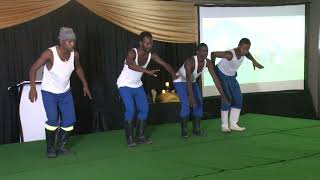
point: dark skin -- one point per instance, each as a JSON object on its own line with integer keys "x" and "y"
{"x": 144, "y": 49}
{"x": 189, "y": 65}
{"x": 64, "y": 51}
{"x": 241, "y": 50}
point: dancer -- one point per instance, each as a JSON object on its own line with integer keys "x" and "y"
{"x": 131, "y": 88}
{"x": 189, "y": 92}
{"x": 59, "y": 62}
{"x": 227, "y": 72}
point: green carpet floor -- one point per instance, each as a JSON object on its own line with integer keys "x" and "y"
{"x": 272, "y": 148}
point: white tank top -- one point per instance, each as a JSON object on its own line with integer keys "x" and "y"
{"x": 230, "y": 68}
{"x": 129, "y": 77}
{"x": 182, "y": 71}
{"x": 57, "y": 79}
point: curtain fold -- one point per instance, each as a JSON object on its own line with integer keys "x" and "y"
{"x": 168, "y": 21}
{"x": 13, "y": 12}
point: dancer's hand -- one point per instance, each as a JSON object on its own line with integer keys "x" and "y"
{"x": 256, "y": 65}
{"x": 192, "y": 101}
{"x": 86, "y": 92}
{"x": 33, "y": 95}
{"x": 153, "y": 72}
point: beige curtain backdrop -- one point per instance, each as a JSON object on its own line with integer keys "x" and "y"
{"x": 168, "y": 21}
{"x": 13, "y": 12}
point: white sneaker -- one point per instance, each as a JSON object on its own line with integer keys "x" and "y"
{"x": 235, "y": 127}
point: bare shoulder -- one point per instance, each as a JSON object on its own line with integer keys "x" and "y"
{"x": 47, "y": 55}
{"x": 191, "y": 60}
{"x": 131, "y": 56}
{"x": 189, "y": 63}
{"x": 48, "y": 52}
{"x": 132, "y": 53}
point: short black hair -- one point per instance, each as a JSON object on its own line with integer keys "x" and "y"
{"x": 144, "y": 34}
{"x": 201, "y": 45}
{"x": 244, "y": 41}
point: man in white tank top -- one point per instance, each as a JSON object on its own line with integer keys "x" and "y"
{"x": 131, "y": 89}
{"x": 189, "y": 92}
{"x": 226, "y": 71}
{"x": 59, "y": 62}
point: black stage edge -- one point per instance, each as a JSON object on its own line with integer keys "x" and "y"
{"x": 295, "y": 103}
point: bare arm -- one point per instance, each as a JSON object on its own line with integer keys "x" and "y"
{"x": 216, "y": 80}
{"x": 213, "y": 59}
{"x": 188, "y": 67}
{"x": 249, "y": 56}
{"x": 79, "y": 70}
{"x": 133, "y": 66}
{"x": 45, "y": 58}
{"x": 158, "y": 60}
{"x": 42, "y": 60}
{"x": 221, "y": 54}
{"x": 80, "y": 74}
{"x": 254, "y": 62}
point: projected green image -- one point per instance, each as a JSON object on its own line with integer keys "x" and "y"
{"x": 277, "y": 43}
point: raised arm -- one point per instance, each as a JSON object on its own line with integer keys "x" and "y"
{"x": 167, "y": 66}
{"x": 221, "y": 54}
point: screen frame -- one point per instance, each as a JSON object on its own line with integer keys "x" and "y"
{"x": 271, "y": 4}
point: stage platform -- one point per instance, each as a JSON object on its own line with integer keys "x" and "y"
{"x": 271, "y": 148}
